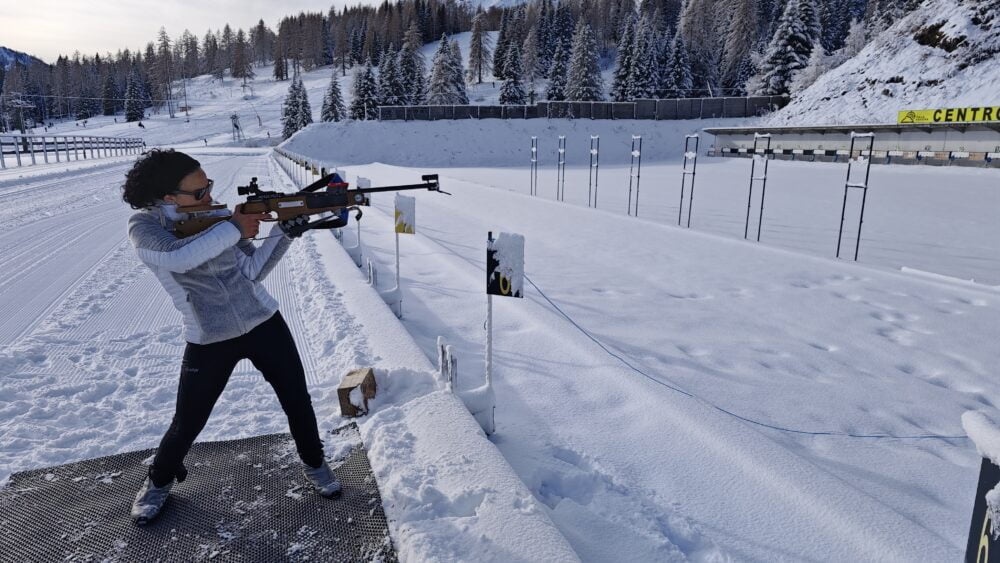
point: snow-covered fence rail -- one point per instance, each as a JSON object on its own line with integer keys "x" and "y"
{"x": 302, "y": 169}
{"x": 674, "y": 108}
{"x": 27, "y": 150}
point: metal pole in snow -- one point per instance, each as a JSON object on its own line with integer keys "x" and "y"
{"x": 489, "y": 327}
{"x": 399, "y": 291}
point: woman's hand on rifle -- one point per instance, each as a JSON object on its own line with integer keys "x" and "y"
{"x": 249, "y": 223}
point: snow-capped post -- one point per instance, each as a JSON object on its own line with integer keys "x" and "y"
{"x": 447, "y": 365}
{"x": 406, "y": 223}
{"x": 505, "y": 277}
{"x": 533, "y": 190}
{"x": 753, "y": 178}
{"x": 689, "y": 156}
{"x": 984, "y": 531}
{"x": 634, "y": 171}
{"x": 864, "y": 158}
{"x": 595, "y": 163}
{"x": 561, "y": 169}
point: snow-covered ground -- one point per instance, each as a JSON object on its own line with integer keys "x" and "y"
{"x": 662, "y": 393}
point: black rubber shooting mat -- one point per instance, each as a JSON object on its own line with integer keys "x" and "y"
{"x": 243, "y": 500}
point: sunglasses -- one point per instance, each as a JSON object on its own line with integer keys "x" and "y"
{"x": 199, "y": 193}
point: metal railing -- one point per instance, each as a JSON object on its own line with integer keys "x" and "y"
{"x": 27, "y": 150}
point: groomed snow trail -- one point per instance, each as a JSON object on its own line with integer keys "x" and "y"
{"x": 90, "y": 345}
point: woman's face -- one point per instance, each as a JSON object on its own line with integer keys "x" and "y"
{"x": 193, "y": 182}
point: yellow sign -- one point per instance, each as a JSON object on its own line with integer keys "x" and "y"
{"x": 950, "y": 115}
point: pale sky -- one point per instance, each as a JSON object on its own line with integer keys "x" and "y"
{"x": 49, "y": 28}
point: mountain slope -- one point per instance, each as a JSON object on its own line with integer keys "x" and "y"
{"x": 9, "y": 56}
{"x": 941, "y": 55}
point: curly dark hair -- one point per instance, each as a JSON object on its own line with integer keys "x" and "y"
{"x": 156, "y": 174}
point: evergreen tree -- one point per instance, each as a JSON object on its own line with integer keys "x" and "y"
{"x": 333, "y": 102}
{"x": 645, "y": 75}
{"x": 280, "y": 65}
{"x": 458, "y": 75}
{"x": 133, "y": 98}
{"x": 305, "y": 110}
{"x": 441, "y": 87}
{"x": 512, "y": 91}
{"x": 836, "y": 21}
{"x": 704, "y": 45}
{"x": 557, "y": 74}
{"x": 583, "y": 81}
{"x": 529, "y": 54}
{"x": 479, "y": 48}
{"x": 290, "y": 110}
{"x": 741, "y": 38}
{"x": 110, "y": 94}
{"x": 242, "y": 58}
{"x": 364, "y": 103}
{"x": 788, "y": 51}
{"x": 388, "y": 81}
{"x": 623, "y": 64}
{"x": 675, "y": 80}
{"x": 503, "y": 44}
{"x": 410, "y": 66}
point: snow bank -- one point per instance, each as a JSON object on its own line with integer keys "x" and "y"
{"x": 984, "y": 431}
{"x": 451, "y": 495}
{"x": 492, "y": 142}
{"x": 872, "y": 87}
{"x": 448, "y": 493}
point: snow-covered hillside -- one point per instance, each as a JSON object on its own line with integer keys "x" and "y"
{"x": 9, "y": 56}
{"x": 942, "y": 55}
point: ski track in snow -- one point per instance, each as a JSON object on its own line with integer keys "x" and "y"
{"x": 96, "y": 337}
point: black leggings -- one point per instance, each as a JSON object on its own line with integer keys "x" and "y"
{"x": 204, "y": 373}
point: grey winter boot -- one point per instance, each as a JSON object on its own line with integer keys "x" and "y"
{"x": 149, "y": 501}
{"x": 322, "y": 479}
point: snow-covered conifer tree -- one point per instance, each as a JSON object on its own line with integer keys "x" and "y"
{"x": 788, "y": 51}
{"x": 109, "y": 94}
{"x": 458, "y": 75}
{"x": 741, "y": 38}
{"x": 388, "y": 80}
{"x": 364, "y": 104}
{"x": 558, "y": 73}
{"x": 704, "y": 45}
{"x": 503, "y": 44}
{"x": 333, "y": 102}
{"x": 675, "y": 80}
{"x": 305, "y": 110}
{"x": 645, "y": 76}
{"x": 290, "y": 110}
{"x": 441, "y": 87}
{"x": 410, "y": 66}
{"x": 623, "y": 63}
{"x": 512, "y": 91}
{"x": 583, "y": 80}
{"x": 133, "y": 98}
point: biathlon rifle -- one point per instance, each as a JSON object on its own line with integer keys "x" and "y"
{"x": 293, "y": 209}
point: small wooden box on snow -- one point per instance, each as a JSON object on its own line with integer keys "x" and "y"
{"x": 362, "y": 379}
